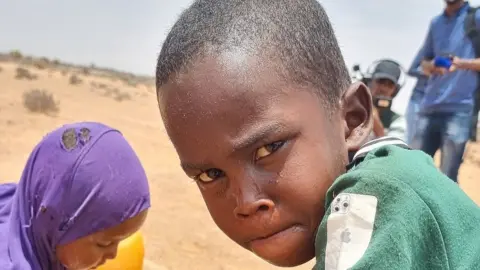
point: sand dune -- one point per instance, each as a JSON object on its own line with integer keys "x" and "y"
{"x": 179, "y": 231}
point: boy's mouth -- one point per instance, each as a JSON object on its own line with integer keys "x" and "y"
{"x": 274, "y": 240}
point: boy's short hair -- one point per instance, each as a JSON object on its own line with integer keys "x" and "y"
{"x": 295, "y": 35}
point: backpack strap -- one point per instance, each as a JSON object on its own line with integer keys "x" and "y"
{"x": 471, "y": 31}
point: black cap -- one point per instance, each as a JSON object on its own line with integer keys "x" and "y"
{"x": 387, "y": 70}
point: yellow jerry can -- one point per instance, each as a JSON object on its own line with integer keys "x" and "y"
{"x": 129, "y": 256}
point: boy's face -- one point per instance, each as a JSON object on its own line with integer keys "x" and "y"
{"x": 263, "y": 152}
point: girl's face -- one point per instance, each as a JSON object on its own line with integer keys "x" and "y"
{"x": 93, "y": 250}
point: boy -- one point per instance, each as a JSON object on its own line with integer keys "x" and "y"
{"x": 257, "y": 101}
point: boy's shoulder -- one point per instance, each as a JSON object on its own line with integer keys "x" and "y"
{"x": 394, "y": 209}
{"x": 389, "y": 163}
{"x": 393, "y": 158}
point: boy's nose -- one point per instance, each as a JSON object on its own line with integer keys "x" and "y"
{"x": 249, "y": 189}
{"x": 248, "y": 208}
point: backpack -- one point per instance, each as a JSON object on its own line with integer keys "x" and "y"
{"x": 473, "y": 34}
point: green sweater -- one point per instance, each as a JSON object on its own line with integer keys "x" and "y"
{"x": 394, "y": 209}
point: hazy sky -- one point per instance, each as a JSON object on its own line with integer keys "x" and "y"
{"x": 127, "y": 35}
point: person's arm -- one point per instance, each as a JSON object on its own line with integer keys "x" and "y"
{"x": 428, "y": 53}
{"x": 469, "y": 64}
{"x": 415, "y": 69}
{"x": 427, "y": 64}
{"x": 379, "y": 223}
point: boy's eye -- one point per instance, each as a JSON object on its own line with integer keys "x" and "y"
{"x": 268, "y": 149}
{"x": 210, "y": 175}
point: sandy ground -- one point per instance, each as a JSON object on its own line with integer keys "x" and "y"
{"x": 179, "y": 231}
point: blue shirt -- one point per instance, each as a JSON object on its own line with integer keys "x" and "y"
{"x": 452, "y": 92}
{"x": 415, "y": 70}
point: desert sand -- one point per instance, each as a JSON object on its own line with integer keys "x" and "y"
{"x": 179, "y": 231}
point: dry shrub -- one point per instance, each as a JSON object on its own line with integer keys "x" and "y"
{"x": 132, "y": 83}
{"x": 75, "y": 80}
{"x": 108, "y": 92}
{"x": 85, "y": 71}
{"x": 121, "y": 96}
{"x": 27, "y": 60}
{"x": 16, "y": 54}
{"x": 41, "y": 63}
{"x": 117, "y": 94}
{"x": 23, "y": 73}
{"x": 4, "y": 57}
{"x": 100, "y": 86}
{"x": 40, "y": 101}
{"x": 128, "y": 79}
{"x": 1, "y": 69}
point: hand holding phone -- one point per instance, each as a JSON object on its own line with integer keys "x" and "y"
{"x": 443, "y": 61}
{"x": 444, "y": 64}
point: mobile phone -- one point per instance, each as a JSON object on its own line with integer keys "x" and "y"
{"x": 443, "y": 61}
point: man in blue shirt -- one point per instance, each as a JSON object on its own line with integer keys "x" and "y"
{"x": 416, "y": 98}
{"x": 446, "y": 110}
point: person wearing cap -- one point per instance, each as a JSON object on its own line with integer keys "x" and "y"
{"x": 384, "y": 87}
{"x": 446, "y": 111}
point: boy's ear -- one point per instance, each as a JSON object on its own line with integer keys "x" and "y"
{"x": 356, "y": 105}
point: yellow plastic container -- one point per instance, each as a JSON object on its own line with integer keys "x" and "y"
{"x": 130, "y": 255}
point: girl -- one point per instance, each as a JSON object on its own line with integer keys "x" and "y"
{"x": 82, "y": 191}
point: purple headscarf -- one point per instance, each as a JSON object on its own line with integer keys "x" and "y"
{"x": 80, "y": 179}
